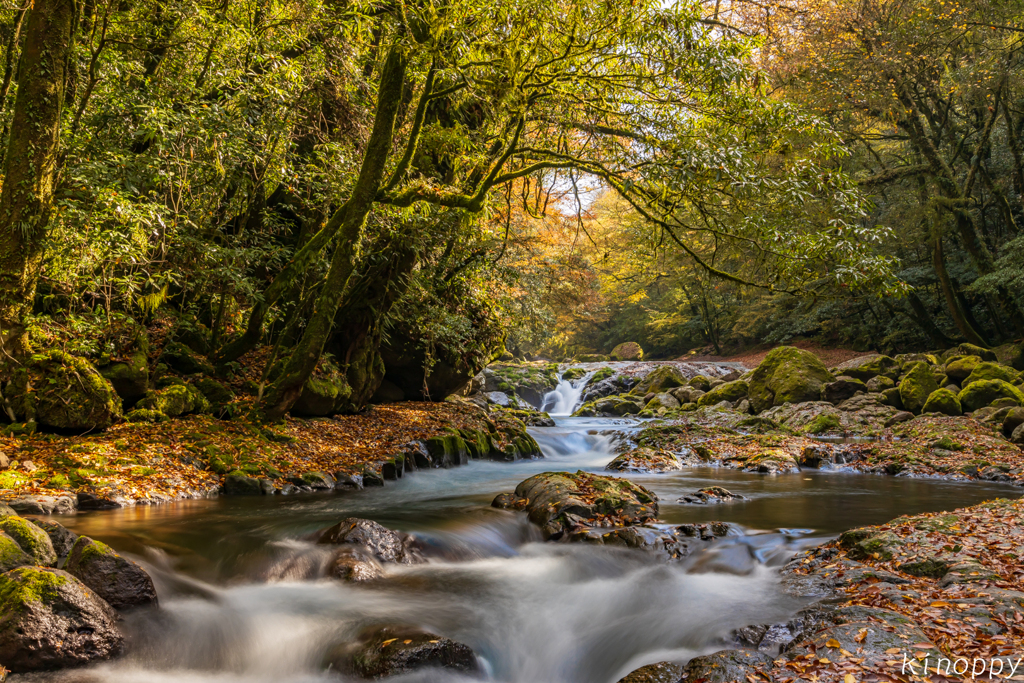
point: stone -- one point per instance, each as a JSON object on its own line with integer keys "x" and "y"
{"x": 660, "y": 379}
{"x": 123, "y": 583}
{"x": 130, "y": 378}
{"x": 891, "y": 397}
{"x": 174, "y": 400}
{"x": 354, "y": 564}
{"x": 662, "y": 400}
{"x": 725, "y": 666}
{"x": 916, "y": 386}
{"x": 390, "y": 651}
{"x": 63, "y": 392}
{"x": 843, "y": 388}
{"x": 710, "y": 495}
{"x": 879, "y": 384}
{"x": 867, "y": 542}
{"x": 627, "y": 351}
{"x": 320, "y": 396}
{"x": 984, "y": 371}
{"x": 867, "y": 367}
{"x": 771, "y": 461}
{"x": 33, "y": 540}
{"x": 645, "y": 460}
{"x": 787, "y": 375}
{"x": 662, "y": 672}
{"x": 50, "y": 620}
{"x": 983, "y": 393}
{"x": 561, "y": 501}
{"x": 974, "y": 350}
{"x": 727, "y": 391}
{"x": 216, "y": 394}
{"x": 1017, "y": 436}
{"x": 381, "y": 543}
{"x": 942, "y": 401}
{"x": 181, "y": 358}
{"x": 62, "y": 538}
{"x": 1014, "y": 418}
{"x": 44, "y": 505}
{"x": 498, "y": 398}
{"x": 238, "y": 483}
{"x": 959, "y": 368}
{"x": 11, "y": 554}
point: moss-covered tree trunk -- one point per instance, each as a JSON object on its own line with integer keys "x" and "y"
{"x": 352, "y": 219}
{"x": 31, "y": 165}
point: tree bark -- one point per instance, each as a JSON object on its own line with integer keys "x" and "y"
{"x": 351, "y": 219}
{"x": 31, "y": 165}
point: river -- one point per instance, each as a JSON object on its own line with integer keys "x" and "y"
{"x": 240, "y": 601}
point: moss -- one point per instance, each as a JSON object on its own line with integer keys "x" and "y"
{"x": 9, "y": 479}
{"x": 872, "y": 366}
{"x": 984, "y": 392}
{"x": 916, "y": 386}
{"x": 573, "y": 374}
{"x": 89, "y": 550}
{"x": 62, "y": 391}
{"x": 825, "y": 422}
{"x": 11, "y": 554}
{"x": 31, "y": 538}
{"x": 983, "y": 371}
{"x": 145, "y": 415}
{"x": 659, "y": 380}
{"x": 974, "y": 350}
{"x": 730, "y": 391}
{"x": 25, "y": 585}
{"x": 959, "y": 368}
{"x": 602, "y": 374}
{"x": 787, "y": 375}
{"x": 627, "y": 351}
{"x": 175, "y": 400}
{"x": 942, "y": 401}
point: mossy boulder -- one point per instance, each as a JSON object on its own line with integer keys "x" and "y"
{"x": 572, "y": 374}
{"x": 238, "y": 483}
{"x": 118, "y": 580}
{"x": 879, "y": 384}
{"x": 65, "y": 392}
{"x": 842, "y": 388}
{"x": 175, "y": 400}
{"x": 942, "y": 401}
{"x": 974, "y": 350}
{"x": 787, "y": 375}
{"x": 181, "y": 358}
{"x": 891, "y": 397}
{"x": 730, "y": 391}
{"x": 145, "y": 415}
{"x": 447, "y": 451}
{"x": 627, "y": 351}
{"x": 601, "y": 374}
{"x": 984, "y": 392}
{"x": 11, "y": 554}
{"x": 216, "y": 393}
{"x": 867, "y": 542}
{"x": 645, "y": 460}
{"x": 985, "y": 370}
{"x": 700, "y": 382}
{"x": 320, "y": 396}
{"x": 866, "y": 367}
{"x": 959, "y": 368}
{"x": 130, "y": 378}
{"x": 62, "y": 538}
{"x": 916, "y": 386}
{"x": 662, "y": 401}
{"x": 33, "y": 540}
{"x": 659, "y": 380}
{"x": 51, "y": 620}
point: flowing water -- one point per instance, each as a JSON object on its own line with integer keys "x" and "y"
{"x": 240, "y": 601}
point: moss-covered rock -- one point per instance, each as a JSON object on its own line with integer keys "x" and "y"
{"x": 627, "y": 351}
{"x": 61, "y": 391}
{"x": 11, "y": 554}
{"x": 891, "y": 397}
{"x": 62, "y": 538}
{"x": 145, "y": 415}
{"x": 700, "y": 382}
{"x": 181, "y": 358}
{"x": 572, "y": 374}
{"x": 601, "y": 374}
{"x": 661, "y": 402}
{"x": 645, "y": 460}
{"x": 118, "y": 580}
{"x": 320, "y": 396}
{"x": 942, "y": 401}
{"x": 841, "y": 389}
{"x": 985, "y": 370}
{"x": 916, "y": 386}
{"x": 974, "y": 350}
{"x": 175, "y": 400}
{"x": 866, "y": 367}
{"x": 730, "y": 391}
{"x": 984, "y": 392}
{"x": 449, "y": 451}
{"x": 31, "y": 538}
{"x": 238, "y": 483}
{"x": 879, "y": 384}
{"x": 50, "y": 620}
{"x": 660, "y": 379}
{"x": 959, "y": 368}
{"x": 787, "y": 375}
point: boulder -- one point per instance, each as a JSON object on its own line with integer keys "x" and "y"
{"x": 354, "y": 564}
{"x": 61, "y": 391}
{"x": 1014, "y": 418}
{"x": 239, "y": 483}
{"x": 216, "y": 394}
{"x": 879, "y": 384}
{"x": 843, "y": 388}
{"x": 11, "y": 554}
{"x": 130, "y": 378}
{"x": 645, "y": 460}
{"x": 44, "y": 505}
{"x": 942, "y": 401}
{"x": 710, "y": 495}
{"x": 120, "y": 581}
{"x": 33, "y": 540}
{"x": 175, "y": 400}
{"x": 787, "y": 375}
{"x": 728, "y": 391}
{"x": 558, "y": 502}
{"x": 662, "y": 400}
{"x": 383, "y": 544}
{"x": 62, "y": 538}
{"x": 984, "y": 392}
{"x": 50, "y": 620}
{"x": 867, "y": 367}
{"x": 181, "y": 358}
{"x": 959, "y": 368}
{"x": 660, "y": 379}
{"x": 771, "y": 461}
{"x": 1017, "y": 435}
{"x": 662, "y": 672}
{"x": 701, "y": 383}
{"x": 627, "y": 351}
{"x": 891, "y": 397}
{"x": 973, "y": 350}
{"x": 320, "y": 396}
{"x": 725, "y": 666}
{"x": 386, "y": 652}
{"x": 991, "y": 371}
{"x": 916, "y": 386}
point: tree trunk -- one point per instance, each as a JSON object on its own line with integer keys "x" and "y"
{"x": 352, "y": 217}
{"x": 32, "y": 156}
{"x": 962, "y": 324}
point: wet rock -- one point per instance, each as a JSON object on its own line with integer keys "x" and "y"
{"x": 385, "y": 545}
{"x": 787, "y": 375}
{"x": 50, "y": 620}
{"x": 771, "y": 461}
{"x": 240, "y": 484}
{"x": 710, "y": 495}
{"x": 868, "y": 542}
{"x": 662, "y": 672}
{"x": 509, "y": 501}
{"x": 31, "y": 539}
{"x": 645, "y": 460}
{"x": 11, "y": 554}
{"x": 95, "y": 501}
{"x": 499, "y": 398}
{"x": 870, "y": 366}
{"x": 61, "y": 537}
{"x": 725, "y": 666}
{"x": 727, "y": 391}
{"x": 706, "y": 531}
{"x": 120, "y": 581}
{"x": 843, "y": 388}
{"x": 561, "y": 501}
{"x": 354, "y": 564}
{"x": 393, "y": 651}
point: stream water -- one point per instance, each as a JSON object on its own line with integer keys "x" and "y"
{"x": 240, "y": 601}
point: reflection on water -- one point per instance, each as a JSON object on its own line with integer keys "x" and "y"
{"x": 240, "y": 601}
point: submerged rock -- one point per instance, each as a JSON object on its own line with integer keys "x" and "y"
{"x": 390, "y": 651}
{"x": 645, "y": 460}
{"x": 558, "y": 502}
{"x": 50, "y": 620}
{"x": 710, "y": 495}
{"x": 379, "y": 542}
{"x": 118, "y": 580}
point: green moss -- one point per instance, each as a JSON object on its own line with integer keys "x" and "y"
{"x": 787, "y": 375}
{"x": 730, "y": 391}
{"x": 11, "y": 554}
{"x": 942, "y": 401}
{"x": 659, "y": 380}
{"x": 602, "y": 374}
{"x": 989, "y": 371}
{"x": 982, "y": 393}
{"x": 916, "y": 386}
{"x": 573, "y": 374}
{"x": 25, "y": 585}
{"x": 67, "y": 392}
{"x": 145, "y": 415}
{"x": 947, "y": 443}
{"x": 89, "y": 550}
{"x": 826, "y": 422}
{"x": 627, "y": 351}
{"x": 9, "y": 479}
{"x": 175, "y": 400}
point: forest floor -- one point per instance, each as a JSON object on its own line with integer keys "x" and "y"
{"x": 180, "y": 458}
{"x": 753, "y": 357}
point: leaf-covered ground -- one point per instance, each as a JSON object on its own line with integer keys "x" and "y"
{"x": 186, "y": 457}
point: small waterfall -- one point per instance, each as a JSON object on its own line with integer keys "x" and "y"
{"x": 566, "y": 396}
